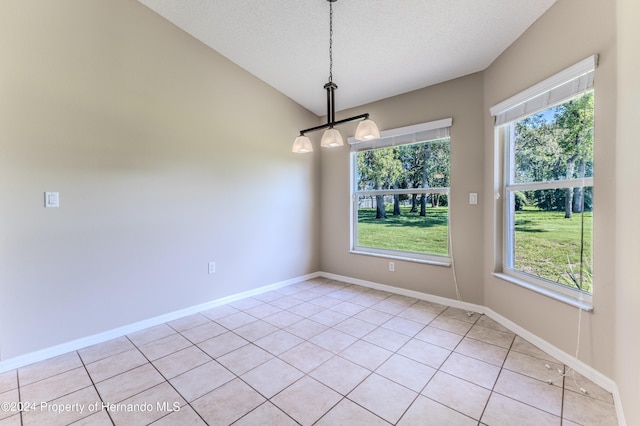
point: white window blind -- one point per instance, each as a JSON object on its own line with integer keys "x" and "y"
{"x": 552, "y": 91}
{"x": 424, "y": 132}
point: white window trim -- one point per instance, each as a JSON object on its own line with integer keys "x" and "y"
{"x": 428, "y": 131}
{"x": 559, "y": 88}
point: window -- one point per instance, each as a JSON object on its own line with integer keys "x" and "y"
{"x": 400, "y": 193}
{"x": 546, "y": 138}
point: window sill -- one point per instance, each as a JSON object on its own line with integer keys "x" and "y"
{"x": 585, "y": 306}
{"x": 445, "y": 262}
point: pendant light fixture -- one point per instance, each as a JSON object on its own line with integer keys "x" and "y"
{"x": 332, "y": 138}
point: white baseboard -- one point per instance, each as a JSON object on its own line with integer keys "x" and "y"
{"x": 74, "y": 345}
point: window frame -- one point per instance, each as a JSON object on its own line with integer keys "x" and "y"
{"x": 570, "y": 83}
{"x": 435, "y": 130}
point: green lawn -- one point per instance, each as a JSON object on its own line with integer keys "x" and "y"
{"x": 407, "y": 232}
{"x": 543, "y": 239}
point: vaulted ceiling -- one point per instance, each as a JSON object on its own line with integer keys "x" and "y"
{"x": 380, "y": 48}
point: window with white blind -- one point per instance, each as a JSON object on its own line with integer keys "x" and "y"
{"x": 545, "y": 138}
{"x": 400, "y": 193}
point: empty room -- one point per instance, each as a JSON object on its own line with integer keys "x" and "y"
{"x": 323, "y": 212}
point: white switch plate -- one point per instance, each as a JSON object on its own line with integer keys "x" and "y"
{"x": 51, "y": 199}
{"x": 212, "y": 267}
{"x": 473, "y": 198}
{"x": 392, "y": 267}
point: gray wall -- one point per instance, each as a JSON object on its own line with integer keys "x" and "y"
{"x": 166, "y": 156}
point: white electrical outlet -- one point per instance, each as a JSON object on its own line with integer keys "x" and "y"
{"x": 212, "y": 267}
{"x": 473, "y": 198}
{"x": 392, "y": 267}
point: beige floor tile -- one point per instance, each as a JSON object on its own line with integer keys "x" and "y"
{"x": 306, "y": 400}
{"x": 247, "y": 303}
{"x": 483, "y": 351}
{"x": 12, "y": 397}
{"x": 106, "y": 349}
{"x": 116, "y": 364}
{"x": 325, "y": 301}
{"x": 147, "y": 406}
{"x": 180, "y": 362}
{"x": 185, "y": 416}
{"x": 305, "y": 295}
{"x": 373, "y": 316}
{"x": 399, "y": 299}
{"x": 148, "y": 335}
{"x": 269, "y": 296}
{"x": 348, "y": 413}
{"x": 306, "y": 356}
{"x": 438, "y": 337}
{"x": 244, "y": 359}
{"x": 574, "y": 381}
{"x": 328, "y": 317}
{"x": 222, "y": 344}
{"x": 263, "y": 310}
{"x": 306, "y": 329}
{"x": 201, "y": 380}
{"x": 306, "y": 310}
{"x": 587, "y": 411}
{"x": 534, "y": 367}
{"x": 227, "y": 403}
{"x": 56, "y": 386}
{"x": 236, "y": 320}
{"x": 272, "y": 377}
{"x": 418, "y": 314}
{"x": 383, "y": 397}
{"x": 203, "y": 332}
{"x": 8, "y": 380}
{"x": 100, "y": 418}
{"x": 461, "y": 314}
{"x": 278, "y": 342}
{"x": 366, "y": 354}
{"x": 457, "y": 394}
{"x": 407, "y": 372}
{"x": 471, "y": 370}
{"x": 366, "y": 300}
{"x": 451, "y": 325}
{"x": 403, "y": 326}
{"x": 347, "y": 308}
{"x": 127, "y": 384}
{"x": 436, "y": 308}
{"x": 355, "y": 327}
{"x": 255, "y": 330}
{"x": 282, "y": 319}
{"x": 50, "y": 367}
{"x": 523, "y": 346}
{"x": 425, "y": 411}
{"x": 387, "y": 339}
{"x": 387, "y": 306}
{"x": 530, "y": 391}
{"x": 64, "y": 410}
{"x": 340, "y": 374}
{"x": 219, "y": 312}
{"x": 333, "y": 340}
{"x": 485, "y": 321}
{"x": 503, "y": 411}
{"x": 266, "y": 414}
{"x": 342, "y": 294}
{"x": 11, "y": 421}
{"x": 286, "y": 302}
{"x": 165, "y": 346}
{"x": 190, "y": 321}
{"x": 426, "y": 353}
{"x": 489, "y": 335}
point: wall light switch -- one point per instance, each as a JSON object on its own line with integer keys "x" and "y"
{"x": 51, "y": 199}
{"x": 473, "y": 198}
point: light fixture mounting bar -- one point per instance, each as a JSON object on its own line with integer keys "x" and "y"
{"x": 335, "y": 123}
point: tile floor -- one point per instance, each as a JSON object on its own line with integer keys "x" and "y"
{"x": 319, "y": 352}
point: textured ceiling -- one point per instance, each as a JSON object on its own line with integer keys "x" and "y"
{"x": 380, "y": 48}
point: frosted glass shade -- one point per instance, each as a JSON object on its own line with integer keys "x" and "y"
{"x": 331, "y": 139}
{"x": 367, "y": 130}
{"x": 302, "y": 145}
